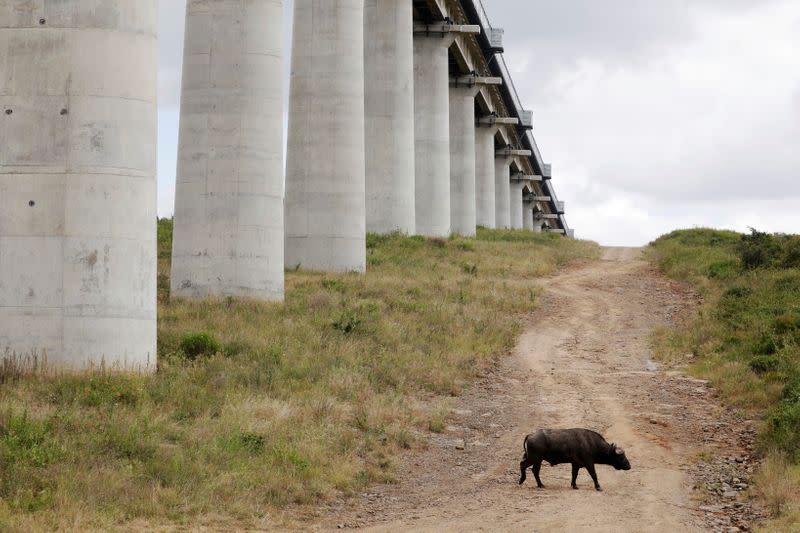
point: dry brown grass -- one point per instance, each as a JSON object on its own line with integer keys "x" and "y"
{"x": 301, "y": 401}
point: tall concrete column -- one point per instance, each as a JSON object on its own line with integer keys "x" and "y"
{"x": 527, "y": 216}
{"x": 77, "y": 182}
{"x": 389, "y": 107}
{"x": 515, "y": 210}
{"x": 538, "y": 224}
{"x": 325, "y": 168}
{"x": 502, "y": 192}
{"x": 228, "y": 236}
{"x": 485, "y": 176}
{"x": 462, "y": 161}
{"x": 432, "y": 134}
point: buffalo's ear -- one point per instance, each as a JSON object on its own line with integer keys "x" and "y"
{"x": 619, "y": 451}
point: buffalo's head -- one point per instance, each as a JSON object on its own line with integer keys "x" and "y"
{"x": 618, "y": 459}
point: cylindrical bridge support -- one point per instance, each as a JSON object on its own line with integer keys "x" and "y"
{"x": 527, "y": 216}
{"x": 389, "y": 106}
{"x": 502, "y": 192}
{"x": 432, "y": 134}
{"x": 325, "y": 169}
{"x": 515, "y": 205}
{"x": 228, "y": 235}
{"x": 485, "y": 170}
{"x": 78, "y": 126}
{"x": 462, "y": 161}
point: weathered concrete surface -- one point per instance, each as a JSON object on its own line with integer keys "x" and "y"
{"x": 325, "y": 170}
{"x": 228, "y": 237}
{"x": 432, "y": 134}
{"x": 502, "y": 192}
{"x": 485, "y": 176}
{"x": 77, "y": 182}
{"x": 515, "y": 204}
{"x": 389, "y": 107}
{"x": 527, "y": 216}
{"x": 463, "y": 219}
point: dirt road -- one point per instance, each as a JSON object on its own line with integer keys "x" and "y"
{"x": 583, "y": 361}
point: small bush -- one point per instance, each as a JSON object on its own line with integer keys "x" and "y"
{"x": 470, "y": 268}
{"x": 787, "y": 323}
{"x": 723, "y": 269}
{"x": 347, "y": 322}
{"x": 196, "y": 345}
{"x": 761, "y": 364}
{"x": 465, "y": 246}
{"x": 784, "y": 429}
{"x": 758, "y": 250}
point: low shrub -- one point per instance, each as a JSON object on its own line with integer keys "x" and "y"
{"x": 195, "y": 345}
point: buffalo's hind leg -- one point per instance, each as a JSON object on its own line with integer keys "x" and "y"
{"x": 537, "y": 467}
{"x": 523, "y": 465}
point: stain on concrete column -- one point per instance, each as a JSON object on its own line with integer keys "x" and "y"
{"x": 77, "y": 182}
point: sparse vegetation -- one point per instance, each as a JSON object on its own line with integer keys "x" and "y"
{"x": 746, "y": 335}
{"x": 256, "y": 406}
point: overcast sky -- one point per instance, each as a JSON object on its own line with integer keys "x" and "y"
{"x": 655, "y": 114}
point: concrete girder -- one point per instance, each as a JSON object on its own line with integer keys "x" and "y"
{"x": 389, "y": 109}
{"x": 228, "y": 235}
{"x": 542, "y": 198}
{"x": 521, "y": 176}
{"x": 326, "y": 164}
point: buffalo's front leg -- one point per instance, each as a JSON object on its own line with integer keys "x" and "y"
{"x": 590, "y": 468}
{"x": 537, "y": 466}
{"x": 575, "y": 470}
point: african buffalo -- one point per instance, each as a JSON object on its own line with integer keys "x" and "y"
{"x": 581, "y": 447}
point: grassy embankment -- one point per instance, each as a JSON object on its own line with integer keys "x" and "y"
{"x": 258, "y": 406}
{"x": 746, "y": 340}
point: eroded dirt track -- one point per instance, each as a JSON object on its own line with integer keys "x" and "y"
{"x": 583, "y": 361}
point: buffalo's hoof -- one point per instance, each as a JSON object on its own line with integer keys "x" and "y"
{"x": 575, "y": 487}
{"x": 539, "y": 486}
{"x": 521, "y": 481}
{"x": 599, "y": 489}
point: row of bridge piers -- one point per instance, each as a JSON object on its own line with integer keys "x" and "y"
{"x": 402, "y": 118}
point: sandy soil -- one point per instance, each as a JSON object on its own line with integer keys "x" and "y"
{"x": 583, "y": 361}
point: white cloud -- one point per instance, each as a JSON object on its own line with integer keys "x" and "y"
{"x": 651, "y": 128}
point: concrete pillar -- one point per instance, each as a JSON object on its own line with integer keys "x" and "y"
{"x": 325, "y": 168}
{"x": 515, "y": 210}
{"x": 462, "y": 161}
{"x": 538, "y": 224}
{"x": 432, "y": 134}
{"x": 77, "y": 182}
{"x": 527, "y": 216}
{"x": 485, "y": 176}
{"x": 389, "y": 108}
{"x": 502, "y": 192}
{"x": 228, "y": 238}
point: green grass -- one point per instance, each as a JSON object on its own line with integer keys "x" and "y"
{"x": 746, "y": 335}
{"x": 259, "y": 407}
